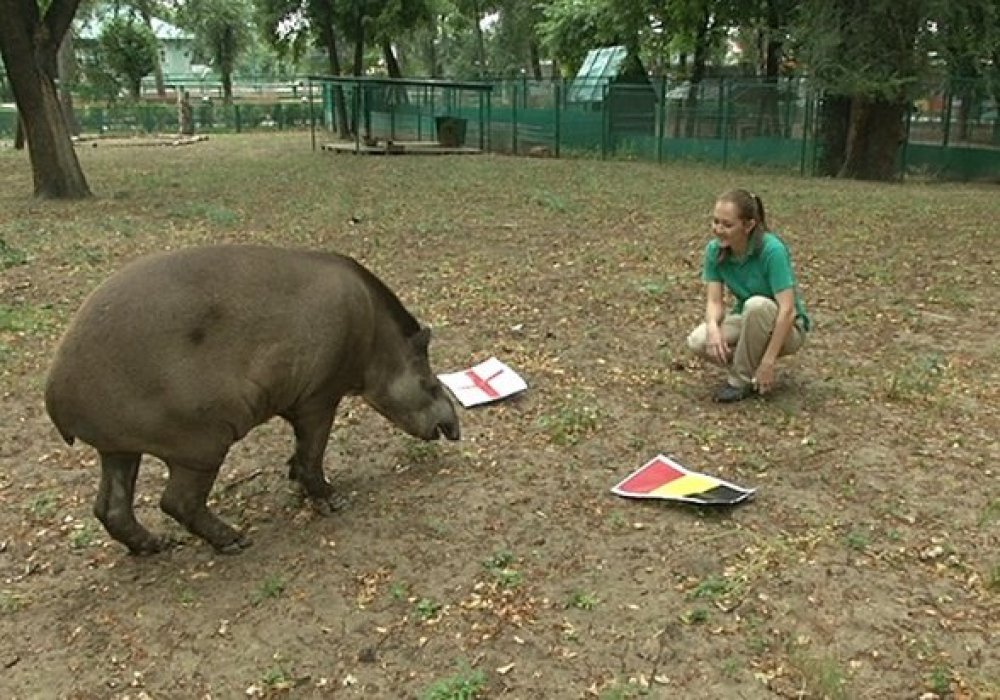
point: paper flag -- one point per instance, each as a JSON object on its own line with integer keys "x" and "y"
{"x": 663, "y": 478}
{"x": 488, "y": 381}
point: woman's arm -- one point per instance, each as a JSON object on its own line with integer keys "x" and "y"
{"x": 714, "y": 313}
{"x": 764, "y": 376}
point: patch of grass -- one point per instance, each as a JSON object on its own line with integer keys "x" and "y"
{"x": 465, "y": 684}
{"x": 421, "y": 452}
{"x": 993, "y": 578}
{"x": 43, "y": 506}
{"x": 695, "y": 616}
{"x": 23, "y": 318}
{"x": 278, "y": 677}
{"x": 399, "y": 590}
{"x": 83, "y": 536}
{"x": 714, "y": 588}
{"x": 991, "y": 514}
{"x": 10, "y": 602}
{"x": 582, "y": 600}
{"x": 499, "y": 565}
{"x": 86, "y": 254}
{"x": 618, "y": 520}
{"x": 858, "y": 540}
{"x": 732, "y": 667}
{"x": 622, "y": 691}
{"x": 427, "y": 608}
{"x": 271, "y": 587}
{"x": 213, "y": 213}
{"x": 186, "y": 596}
{"x": 940, "y": 680}
{"x": 657, "y": 288}
{"x": 570, "y": 423}
{"x": 10, "y": 256}
{"x": 548, "y": 200}
{"x": 919, "y": 378}
{"x": 822, "y": 677}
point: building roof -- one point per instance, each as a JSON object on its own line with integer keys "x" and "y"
{"x": 599, "y": 68}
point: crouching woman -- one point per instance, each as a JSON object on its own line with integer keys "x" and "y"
{"x": 768, "y": 319}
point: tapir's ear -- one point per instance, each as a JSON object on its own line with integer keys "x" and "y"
{"x": 421, "y": 340}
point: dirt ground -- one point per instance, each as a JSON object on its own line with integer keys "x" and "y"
{"x": 867, "y": 566}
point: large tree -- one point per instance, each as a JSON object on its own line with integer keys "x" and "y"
{"x": 29, "y": 45}
{"x": 864, "y": 55}
{"x": 222, "y": 31}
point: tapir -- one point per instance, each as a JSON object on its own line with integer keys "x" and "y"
{"x": 180, "y": 354}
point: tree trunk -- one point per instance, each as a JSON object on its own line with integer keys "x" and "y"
{"x": 480, "y": 39}
{"x": 876, "y": 132}
{"x": 833, "y": 119}
{"x": 66, "y": 60}
{"x": 534, "y": 57}
{"x": 397, "y": 93}
{"x": 769, "y": 108}
{"x": 161, "y": 88}
{"x": 339, "y": 103}
{"x": 28, "y": 45}
{"x": 697, "y": 73}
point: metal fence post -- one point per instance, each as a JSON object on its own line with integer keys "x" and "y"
{"x": 557, "y": 91}
{"x": 513, "y": 120}
{"x": 312, "y": 118}
{"x": 724, "y": 123}
{"x": 947, "y": 118}
{"x": 662, "y": 121}
{"x": 605, "y": 126}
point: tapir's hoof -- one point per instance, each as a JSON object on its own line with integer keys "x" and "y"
{"x": 236, "y": 546}
{"x": 154, "y": 544}
{"x": 328, "y": 505}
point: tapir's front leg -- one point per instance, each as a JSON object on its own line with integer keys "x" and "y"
{"x": 312, "y": 425}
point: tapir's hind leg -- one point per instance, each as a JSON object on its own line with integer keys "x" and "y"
{"x": 312, "y": 432}
{"x": 114, "y": 503}
{"x": 184, "y": 499}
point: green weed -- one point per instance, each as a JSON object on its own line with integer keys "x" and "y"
{"x": 83, "y": 536}
{"x": 398, "y": 590}
{"x": 821, "y": 676}
{"x": 10, "y": 256}
{"x": 919, "y": 378}
{"x": 714, "y": 588}
{"x": 427, "y": 608}
{"x": 570, "y": 423}
{"x": 271, "y": 587}
{"x": 43, "y": 506}
{"x": 991, "y": 514}
{"x": 695, "y": 616}
{"x": 466, "y": 684}
{"x": 582, "y": 601}
{"x": 22, "y": 318}
{"x": 940, "y": 680}
{"x": 499, "y": 565}
{"x": 10, "y": 602}
{"x": 858, "y": 540}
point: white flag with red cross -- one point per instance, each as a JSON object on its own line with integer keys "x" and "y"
{"x": 488, "y": 381}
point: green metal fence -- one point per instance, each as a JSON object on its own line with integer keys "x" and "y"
{"x": 953, "y": 132}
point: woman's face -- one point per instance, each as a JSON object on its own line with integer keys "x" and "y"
{"x": 729, "y": 228}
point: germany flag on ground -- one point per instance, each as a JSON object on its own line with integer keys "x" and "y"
{"x": 663, "y": 478}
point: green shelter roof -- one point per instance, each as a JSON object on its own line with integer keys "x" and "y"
{"x": 599, "y": 68}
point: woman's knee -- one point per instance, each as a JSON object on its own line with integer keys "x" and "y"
{"x": 759, "y": 305}
{"x": 697, "y": 340}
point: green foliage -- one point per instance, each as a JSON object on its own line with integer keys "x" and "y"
{"x": 582, "y": 600}
{"x": 499, "y": 565}
{"x": 10, "y": 256}
{"x": 466, "y": 684}
{"x": 570, "y": 423}
{"x": 222, "y": 32}
{"x": 271, "y": 587}
{"x": 427, "y": 608}
{"x": 128, "y": 51}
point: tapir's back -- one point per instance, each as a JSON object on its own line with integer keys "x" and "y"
{"x": 202, "y": 340}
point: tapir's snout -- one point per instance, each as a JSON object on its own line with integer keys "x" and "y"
{"x": 450, "y": 429}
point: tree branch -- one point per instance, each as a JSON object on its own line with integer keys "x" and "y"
{"x": 58, "y": 18}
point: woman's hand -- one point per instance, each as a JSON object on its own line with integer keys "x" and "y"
{"x": 764, "y": 377}
{"x": 717, "y": 348}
